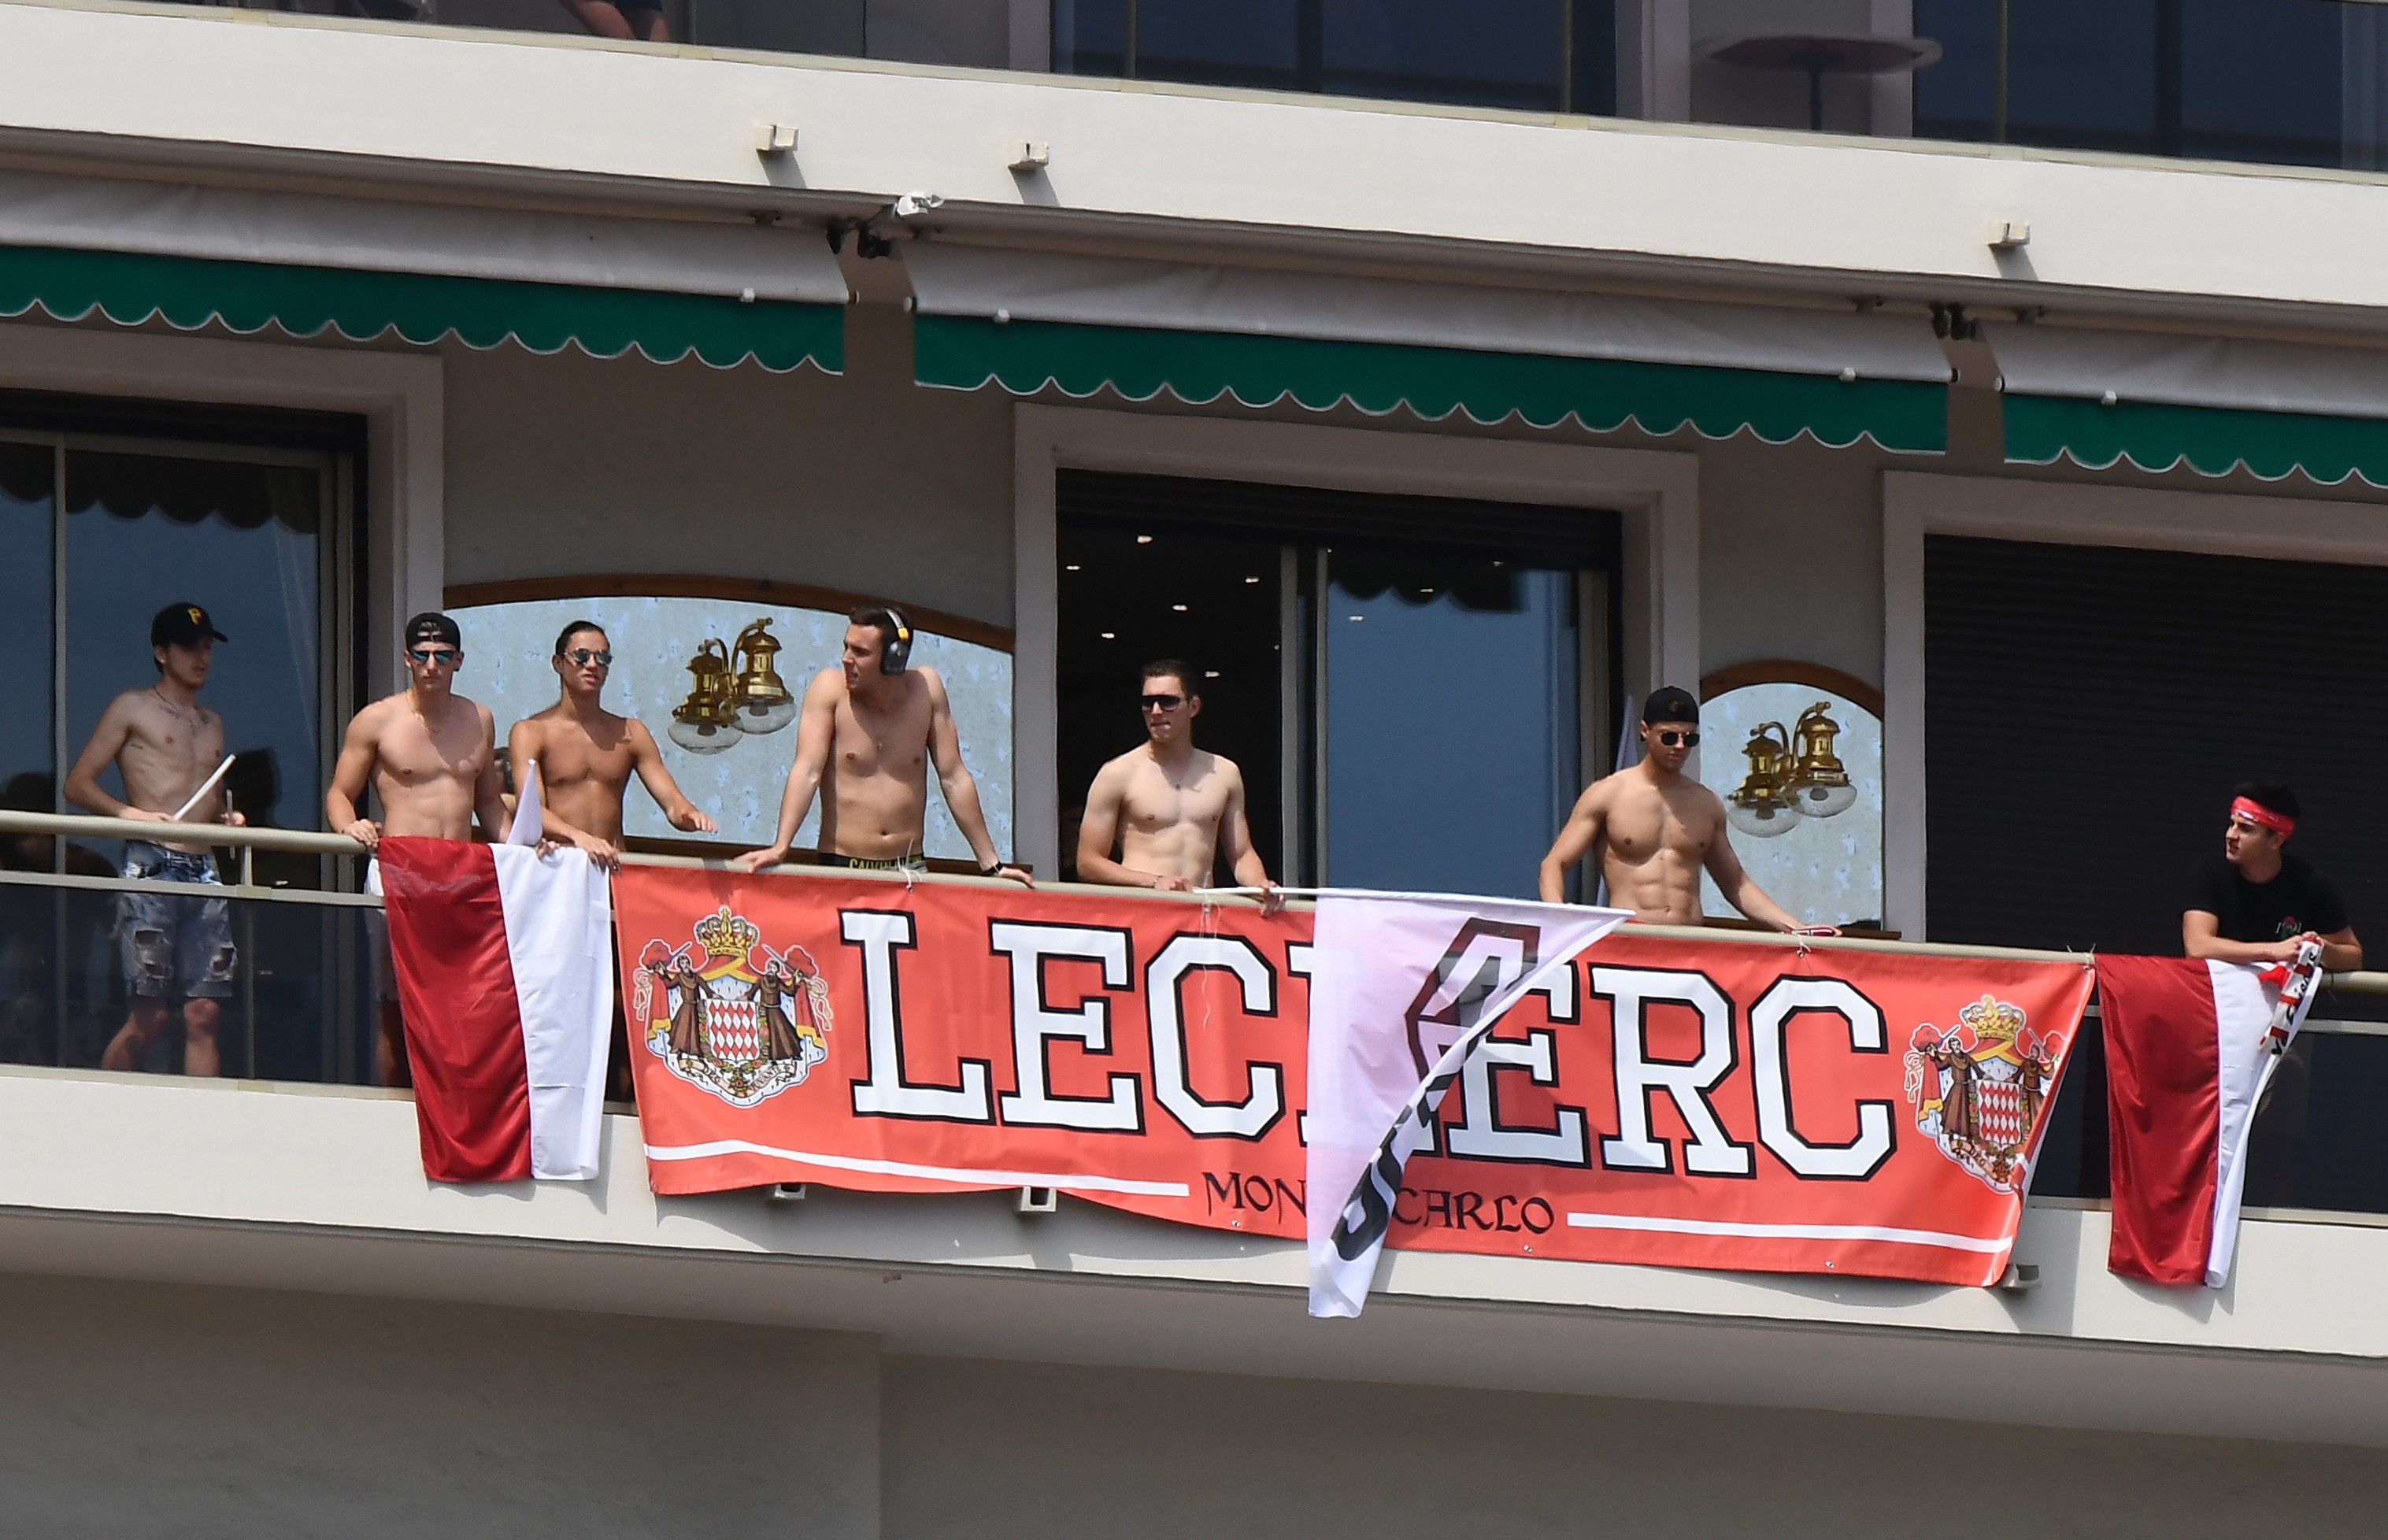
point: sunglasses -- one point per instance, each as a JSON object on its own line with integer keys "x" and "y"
{"x": 582, "y": 657}
{"x": 435, "y": 657}
{"x": 1680, "y": 740}
{"x": 1161, "y": 703}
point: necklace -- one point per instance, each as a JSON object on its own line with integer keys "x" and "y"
{"x": 194, "y": 723}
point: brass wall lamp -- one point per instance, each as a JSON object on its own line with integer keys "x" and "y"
{"x": 1792, "y": 774}
{"x": 706, "y": 721}
{"x": 731, "y": 696}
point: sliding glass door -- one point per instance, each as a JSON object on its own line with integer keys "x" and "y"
{"x": 1408, "y": 684}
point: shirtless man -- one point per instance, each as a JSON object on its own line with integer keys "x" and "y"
{"x": 165, "y": 745}
{"x": 431, "y": 755}
{"x": 1166, "y": 804}
{"x": 1657, "y": 828}
{"x": 586, "y": 755}
{"x": 870, "y": 731}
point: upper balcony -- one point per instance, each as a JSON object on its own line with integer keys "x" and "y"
{"x": 2282, "y": 82}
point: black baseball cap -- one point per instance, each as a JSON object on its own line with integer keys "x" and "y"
{"x": 1668, "y": 704}
{"x": 432, "y": 626}
{"x": 183, "y": 626}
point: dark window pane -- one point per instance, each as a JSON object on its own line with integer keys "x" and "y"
{"x": 143, "y": 531}
{"x": 1491, "y": 53}
{"x": 1090, "y": 37}
{"x": 1446, "y": 674}
{"x": 1252, "y": 43}
{"x": 2282, "y": 82}
{"x": 1526, "y": 55}
{"x": 1119, "y": 609}
{"x": 2081, "y": 77}
{"x": 28, "y": 779}
{"x": 2259, "y": 80}
{"x": 296, "y": 1007}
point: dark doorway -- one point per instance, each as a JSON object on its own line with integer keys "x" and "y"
{"x": 1408, "y": 684}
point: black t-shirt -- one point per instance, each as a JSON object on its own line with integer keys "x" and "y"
{"x": 2298, "y": 901}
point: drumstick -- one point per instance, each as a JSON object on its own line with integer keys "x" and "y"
{"x": 205, "y": 786}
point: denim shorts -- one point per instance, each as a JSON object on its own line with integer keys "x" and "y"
{"x": 171, "y": 945}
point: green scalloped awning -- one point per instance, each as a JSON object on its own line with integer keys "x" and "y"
{"x": 192, "y": 292}
{"x": 2212, "y": 441}
{"x": 1025, "y": 357}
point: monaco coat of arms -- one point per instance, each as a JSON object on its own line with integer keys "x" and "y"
{"x": 1978, "y": 1088}
{"x": 731, "y": 1015}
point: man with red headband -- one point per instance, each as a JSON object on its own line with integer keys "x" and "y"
{"x": 2258, "y": 901}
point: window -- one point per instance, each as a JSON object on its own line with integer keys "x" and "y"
{"x": 2279, "y": 82}
{"x": 1540, "y": 56}
{"x": 107, "y": 513}
{"x": 1412, "y": 687}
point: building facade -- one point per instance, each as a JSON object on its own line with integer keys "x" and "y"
{"x": 1436, "y": 381}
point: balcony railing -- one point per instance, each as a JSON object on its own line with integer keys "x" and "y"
{"x": 301, "y": 1002}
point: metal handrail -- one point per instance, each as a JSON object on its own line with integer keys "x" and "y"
{"x": 72, "y": 825}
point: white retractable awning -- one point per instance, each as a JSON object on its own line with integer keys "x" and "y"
{"x": 362, "y": 267}
{"x": 1028, "y": 320}
{"x": 2213, "y": 403}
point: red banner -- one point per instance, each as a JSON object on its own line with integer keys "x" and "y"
{"x": 1761, "y": 1108}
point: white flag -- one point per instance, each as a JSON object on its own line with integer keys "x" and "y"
{"x": 528, "y": 825}
{"x": 1403, "y": 986}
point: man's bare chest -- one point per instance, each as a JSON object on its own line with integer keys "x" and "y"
{"x": 1156, "y": 801}
{"x": 573, "y": 758}
{"x": 414, "y": 754}
{"x": 1651, "y": 828}
{"x": 894, "y": 743}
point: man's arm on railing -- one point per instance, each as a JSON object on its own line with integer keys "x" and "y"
{"x": 84, "y": 789}
{"x": 489, "y": 786}
{"x": 815, "y": 732}
{"x": 1741, "y": 890}
{"x": 1585, "y": 824}
{"x": 1098, "y": 833}
{"x": 358, "y": 752}
{"x": 2200, "y": 937}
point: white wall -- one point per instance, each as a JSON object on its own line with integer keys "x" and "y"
{"x": 568, "y": 465}
{"x": 130, "y": 1411}
{"x": 133, "y": 1410}
{"x": 1791, "y": 553}
{"x": 990, "y": 1449}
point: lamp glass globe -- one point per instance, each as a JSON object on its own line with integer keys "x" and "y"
{"x": 760, "y": 719}
{"x": 1762, "y": 820}
{"x": 702, "y": 737}
{"x": 1827, "y": 801}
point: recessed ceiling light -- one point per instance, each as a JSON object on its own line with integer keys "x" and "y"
{"x": 1072, "y": 567}
{"x": 1252, "y": 579}
{"x": 1144, "y": 540}
{"x": 1359, "y": 618}
{"x": 1110, "y": 636}
{"x": 1180, "y": 608}
{"x": 1210, "y": 673}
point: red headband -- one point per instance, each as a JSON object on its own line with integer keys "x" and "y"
{"x": 2256, "y": 812}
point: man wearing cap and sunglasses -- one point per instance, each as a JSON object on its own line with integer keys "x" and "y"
{"x": 1658, "y": 828}
{"x": 1167, "y": 805}
{"x": 870, "y": 730}
{"x": 166, "y": 745}
{"x": 586, "y": 755}
{"x": 431, "y": 755}
{"x": 2256, "y": 901}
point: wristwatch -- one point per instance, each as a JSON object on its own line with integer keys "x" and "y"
{"x": 992, "y": 869}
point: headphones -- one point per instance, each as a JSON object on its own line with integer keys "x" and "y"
{"x": 898, "y": 649}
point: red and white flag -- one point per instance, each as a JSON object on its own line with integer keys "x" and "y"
{"x": 1403, "y": 988}
{"x": 505, "y": 977}
{"x": 2186, "y": 1067}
